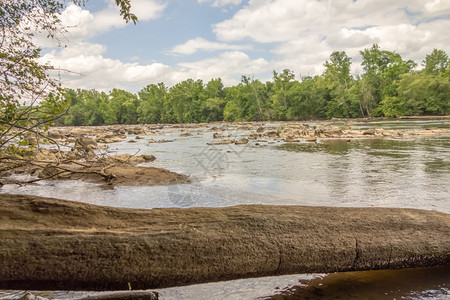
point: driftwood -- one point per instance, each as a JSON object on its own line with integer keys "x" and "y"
{"x": 54, "y": 244}
{"x": 122, "y": 295}
{"x": 79, "y": 164}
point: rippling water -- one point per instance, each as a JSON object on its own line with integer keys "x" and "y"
{"x": 361, "y": 172}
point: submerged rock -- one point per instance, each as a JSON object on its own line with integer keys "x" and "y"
{"x": 186, "y": 134}
{"x": 165, "y": 141}
{"x": 224, "y": 142}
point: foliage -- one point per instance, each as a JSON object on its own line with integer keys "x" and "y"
{"x": 436, "y": 62}
{"x": 419, "y": 93}
{"x": 151, "y": 107}
{"x": 30, "y": 98}
{"x": 338, "y": 79}
{"x": 23, "y": 80}
{"x": 389, "y": 87}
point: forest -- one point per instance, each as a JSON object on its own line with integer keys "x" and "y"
{"x": 388, "y": 86}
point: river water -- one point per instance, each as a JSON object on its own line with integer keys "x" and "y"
{"x": 413, "y": 173}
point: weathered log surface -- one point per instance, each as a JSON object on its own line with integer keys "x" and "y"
{"x": 121, "y": 295}
{"x": 54, "y": 244}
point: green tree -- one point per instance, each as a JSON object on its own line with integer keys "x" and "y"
{"x": 281, "y": 94}
{"x": 419, "y": 94}
{"x": 75, "y": 115}
{"x": 436, "y": 62}
{"x": 124, "y": 106}
{"x": 308, "y": 98}
{"x": 252, "y": 99}
{"x": 382, "y": 71}
{"x": 215, "y": 100}
{"x": 187, "y": 100}
{"x": 338, "y": 79}
{"x": 151, "y": 108}
{"x": 231, "y": 111}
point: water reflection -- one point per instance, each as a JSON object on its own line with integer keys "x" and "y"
{"x": 337, "y": 146}
{"x": 376, "y": 172}
{"x": 423, "y": 283}
{"x": 398, "y": 124}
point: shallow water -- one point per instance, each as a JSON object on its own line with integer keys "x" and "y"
{"x": 423, "y": 283}
{"x": 362, "y": 172}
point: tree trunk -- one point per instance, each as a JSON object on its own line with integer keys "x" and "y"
{"x": 55, "y": 244}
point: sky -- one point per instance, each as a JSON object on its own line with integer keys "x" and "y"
{"x": 175, "y": 40}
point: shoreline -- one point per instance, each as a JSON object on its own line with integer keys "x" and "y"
{"x": 89, "y": 158}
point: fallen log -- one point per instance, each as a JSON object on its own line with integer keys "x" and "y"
{"x": 121, "y": 295}
{"x": 54, "y": 244}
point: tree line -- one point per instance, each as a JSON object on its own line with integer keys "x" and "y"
{"x": 389, "y": 86}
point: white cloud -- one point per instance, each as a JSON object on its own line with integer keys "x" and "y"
{"x": 306, "y": 32}
{"x": 283, "y": 20}
{"x": 82, "y": 24}
{"x": 299, "y": 35}
{"x": 89, "y": 69}
{"x": 200, "y": 44}
{"x": 86, "y": 65}
{"x": 220, "y": 3}
{"x": 226, "y": 66}
{"x": 438, "y": 7}
{"x": 147, "y": 10}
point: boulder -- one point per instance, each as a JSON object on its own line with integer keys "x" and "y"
{"x": 148, "y": 157}
{"x": 56, "y": 135}
{"x": 119, "y": 131}
{"x": 242, "y": 141}
{"x": 221, "y": 136}
{"x": 111, "y": 139}
{"x": 333, "y": 133}
{"x": 85, "y": 146}
{"x": 370, "y": 131}
{"x": 272, "y": 134}
{"x": 255, "y": 136}
{"x": 136, "y": 131}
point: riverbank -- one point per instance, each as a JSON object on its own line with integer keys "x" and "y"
{"x": 87, "y": 152}
{"x": 107, "y": 171}
{"x": 104, "y": 137}
{"x": 55, "y": 244}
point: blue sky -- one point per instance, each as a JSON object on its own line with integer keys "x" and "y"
{"x": 203, "y": 39}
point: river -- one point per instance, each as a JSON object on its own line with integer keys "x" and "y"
{"x": 412, "y": 173}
